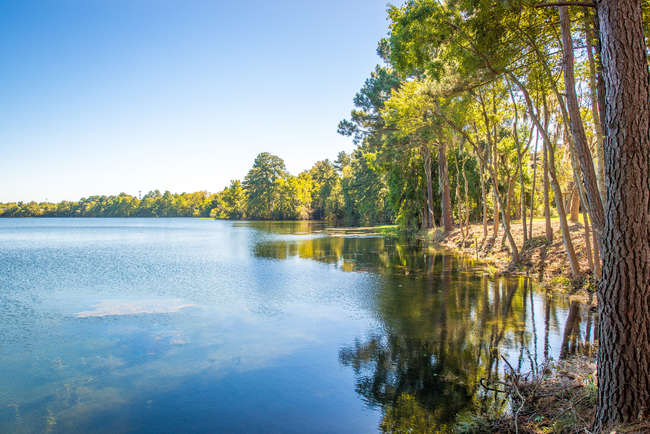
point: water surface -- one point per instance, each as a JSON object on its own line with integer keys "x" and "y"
{"x": 196, "y": 325}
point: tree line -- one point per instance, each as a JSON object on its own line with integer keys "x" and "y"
{"x": 353, "y": 187}
{"x": 152, "y": 204}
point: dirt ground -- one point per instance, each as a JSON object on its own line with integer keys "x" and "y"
{"x": 546, "y": 261}
{"x": 559, "y": 398}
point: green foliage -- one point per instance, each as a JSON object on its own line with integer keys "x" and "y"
{"x": 407, "y": 195}
{"x": 293, "y": 197}
{"x": 561, "y": 283}
{"x": 260, "y": 185}
{"x": 326, "y": 180}
{"x": 153, "y": 204}
{"x": 389, "y": 230}
{"x": 231, "y": 202}
{"x": 365, "y": 190}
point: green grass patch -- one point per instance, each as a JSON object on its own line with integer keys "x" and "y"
{"x": 561, "y": 282}
{"x": 389, "y": 230}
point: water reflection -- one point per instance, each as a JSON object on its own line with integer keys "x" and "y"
{"x": 440, "y": 338}
{"x": 443, "y": 326}
{"x": 347, "y": 333}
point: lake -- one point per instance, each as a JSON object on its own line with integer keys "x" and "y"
{"x": 205, "y": 326}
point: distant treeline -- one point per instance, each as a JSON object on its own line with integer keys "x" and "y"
{"x": 361, "y": 186}
{"x": 152, "y": 204}
{"x": 353, "y": 187}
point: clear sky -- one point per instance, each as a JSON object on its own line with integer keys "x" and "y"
{"x": 108, "y": 96}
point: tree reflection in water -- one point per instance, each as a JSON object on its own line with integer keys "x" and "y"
{"x": 439, "y": 340}
{"x": 442, "y": 327}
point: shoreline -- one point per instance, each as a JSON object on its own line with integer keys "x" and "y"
{"x": 546, "y": 262}
{"x": 561, "y": 396}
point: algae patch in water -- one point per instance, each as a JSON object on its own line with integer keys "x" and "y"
{"x": 131, "y": 307}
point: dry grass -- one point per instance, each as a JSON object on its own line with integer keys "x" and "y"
{"x": 560, "y": 399}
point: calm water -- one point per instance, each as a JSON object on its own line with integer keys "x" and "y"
{"x": 203, "y": 326}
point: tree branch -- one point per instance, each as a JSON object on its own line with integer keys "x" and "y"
{"x": 583, "y": 4}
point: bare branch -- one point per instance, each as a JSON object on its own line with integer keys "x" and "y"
{"x": 583, "y": 4}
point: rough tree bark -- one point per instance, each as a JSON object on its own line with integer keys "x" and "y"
{"x": 624, "y": 292}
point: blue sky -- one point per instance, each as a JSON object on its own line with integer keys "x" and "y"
{"x": 109, "y": 96}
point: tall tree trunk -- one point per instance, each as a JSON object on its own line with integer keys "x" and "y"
{"x": 597, "y": 263}
{"x": 444, "y": 187}
{"x": 532, "y": 194}
{"x": 427, "y": 171}
{"x": 564, "y": 226}
{"x": 547, "y": 201}
{"x": 497, "y": 197}
{"x": 495, "y": 225}
{"x": 523, "y": 193}
{"x": 574, "y": 204}
{"x": 590, "y": 257}
{"x": 600, "y": 83}
{"x": 506, "y": 229}
{"x": 547, "y": 195}
{"x": 519, "y": 165}
{"x": 491, "y": 149}
{"x": 595, "y": 109}
{"x": 509, "y": 196}
{"x": 423, "y": 218}
{"x": 577, "y": 129}
{"x": 483, "y": 198}
{"x": 624, "y": 292}
{"x": 557, "y": 190}
{"x": 459, "y": 200}
{"x": 498, "y": 204}
{"x": 466, "y": 196}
